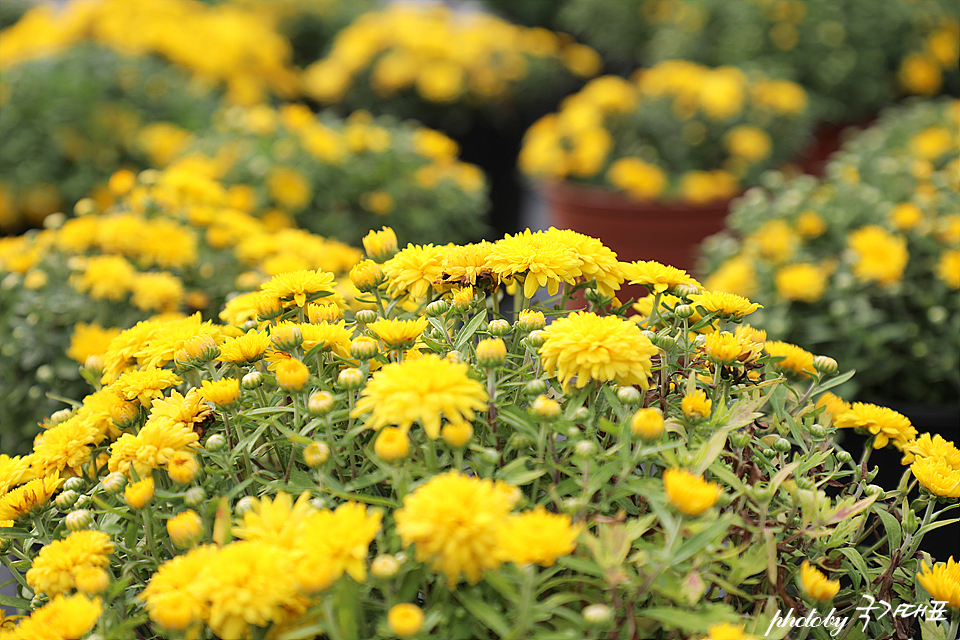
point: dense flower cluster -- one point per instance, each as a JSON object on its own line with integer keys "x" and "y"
{"x": 549, "y": 454}
{"x": 866, "y": 259}
{"x": 627, "y": 134}
{"x": 470, "y": 57}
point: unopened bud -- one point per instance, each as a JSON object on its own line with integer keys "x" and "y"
{"x": 351, "y": 379}
{"x": 365, "y": 316}
{"x": 491, "y": 353}
{"x": 546, "y": 408}
{"x": 315, "y": 454}
{"x": 216, "y": 442}
{"x": 498, "y": 327}
{"x": 781, "y": 445}
{"x": 581, "y": 414}
{"x": 436, "y": 308}
{"x": 739, "y": 439}
{"x": 685, "y": 290}
{"x": 536, "y": 339}
{"x": 79, "y": 519}
{"x": 874, "y": 490}
{"x": 245, "y": 504}
{"x": 73, "y": 484}
{"x": 320, "y": 403}
{"x": 66, "y": 500}
{"x": 114, "y": 482}
{"x": 531, "y": 321}
{"x": 194, "y": 496}
{"x": 60, "y": 416}
{"x": 364, "y": 348}
{"x": 385, "y": 566}
{"x": 286, "y": 337}
{"x": 684, "y": 311}
{"x": 818, "y": 431}
{"x": 597, "y": 615}
{"x": 910, "y": 521}
{"x": 367, "y": 276}
{"x": 844, "y": 457}
{"x": 251, "y": 380}
{"x": 628, "y": 395}
{"x": 585, "y": 448}
{"x": 535, "y": 387}
{"x": 825, "y": 366}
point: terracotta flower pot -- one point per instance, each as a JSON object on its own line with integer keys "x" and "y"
{"x": 666, "y": 232}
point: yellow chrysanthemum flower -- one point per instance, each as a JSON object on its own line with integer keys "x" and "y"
{"x": 66, "y": 446}
{"x": 775, "y": 240}
{"x": 291, "y": 374}
{"x": 932, "y": 446}
{"x": 240, "y": 309}
{"x": 405, "y": 619}
{"x": 55, "y": 568}
{"x": 942, "y": 582}
{"x": 815, "y": 584}
{"x": 834, "y": 406}
{"x": 295, "y": 287}
{"x": 21, "y": 500}
{"x": 245, "y": 349}
{"x": 332, "y": 336}
{"x": 727, "y": 631}
{"x": 139, "y": 494}
{"x": 599, "y": 262}
{"x": 696, "y": 405}
{"x": 591, "y": 347}
{"x": 880, "y": 256}
{"x": 454, "y": 520}
{"x": 336, "y": 542}
{"x": 171, "y": 597}
{"x": 689, "y": 493}
{"x": 63, "y": 617}
{"x": 424, "y": 389}
{"x": 884, "y": 423}
{"x": 466, "y": 265}
{"x": 656, "y": 277}
{"x": 647, "y": 423}
{"x": 89, "y": 340}
{"x": 279, "y": 521}
{"x": 737, "y": 276}
{"x": 804, "y": 282}
{"x": 108, "y": 277}
{"x": 223, "y": 392}
{"x": 414, "y": 270}
{"x": 399, "y": 334}
{"x": 727, "y": 349}
{"x": 937, "y": 476}
{"x": 948, "y": 268}
{"x": 796, "y": 361}
{"x": 157, "y": 291}
{"x": 185, "y": 528}
{"x": 537, "y": 259}
{"x": 537, "y": 537}
{"x": 14, "y": 470}
{"x": 380, "y": 245}
{"x": 726, "y": 304}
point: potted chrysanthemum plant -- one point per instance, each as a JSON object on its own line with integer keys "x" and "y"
{"x": 650, "y": 164}
{"x": 431, "y": 468}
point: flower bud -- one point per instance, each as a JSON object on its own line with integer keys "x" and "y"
{"x": 457, "y": 434}
{"x": 216, "y": 442}
{"x": 581, "y": 414}
{"x": 380, "y": 245}
{"x": 436, "y": 308}
{"x": 405, "y": 620}
{"x": 66, "y": 500}
{"x": 518, "y": 441}
{"x": 628, "y": 395}
{"x": 490, "y": 455}
{"x": 647, "y": 423}
{"x": 94, "y": 365}
{"x": 664, "y": 341}
{"x": 364, "y": 348}
{"x": 320, "y": 403}
{"x": 194, "y": 497}
{"x": 498, "y": 327}
{"x": 351, "y": 379}
{"x": 491, "y": 353}
{"x": 768, "y": 453}
{"x": 125, "y": 414}
{"x": 874, "y": 490}
{"x": 761, "y": 493}
{"x": 684, "y": 311}
{"x": 546, "y": 408}
{"x": 286, "y": 337}
{"x": 844, "y": 457}
{"x": 245, "y": 504}
{"x": 392, "y": 444}
{"x": 367, "y": 276}
{"x": 597, "y": 615}
{"x": 535, "y": 387}
{"x": 315, "y": 454}
{"x": 185, "y": 528}
{"x": 39, "y": 601}
{"x": 531, "y": 321}
{"x": 536, "y": 339}
{"x": 73, "y": 484}
{"x": 268, "y": 307}
{"x": 196, "y": 351}
{"x": 818, "y": 431}
{"x": 585, "y": 449}
{"x": 385, "y": 566}
{"x": 739, "y": 439}
{"x": 825, "y": 366}
{"x": 910, "y": 521}
{"x": 806, "y": 483}
{"x": 319, "y": 503}
{"x": 139, "y": 493}
{"x": 114, "y": 482}
{"x": 251, "y": 380}
{"x": 60, "y": 416}
{"x": 365, "y": 316}
{"x": 292, "y": 375}
{"x": 685, "y": 290}
{"x": 5, "y": 544}
{"x": 781, "y": 445}
{"x": 319, "y": 312}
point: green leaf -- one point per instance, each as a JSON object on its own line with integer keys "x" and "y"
{"x": 935, "y": 525}
{"x": 892, "y": 525}
{"x": 858, "y": 563}
{"x": 691, "y": 621}
{"x": 469, "y": 329}
{"x": 484, "y": 613}
{"x": 11, "y": 601}
{"x": 930, "y": 630}
{"x": 835, "y": 381}
{"x": 711, "y": 450}
{"x": 697, "y": 543}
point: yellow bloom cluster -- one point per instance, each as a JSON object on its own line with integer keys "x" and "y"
{"x": 596, "y": 133}
{"x": 219, "y": 44}
{"x": 468, "y": 56}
